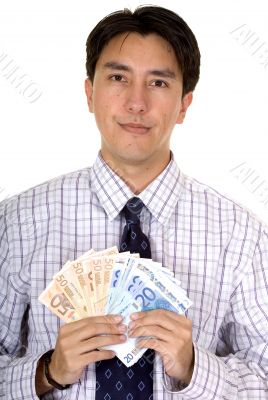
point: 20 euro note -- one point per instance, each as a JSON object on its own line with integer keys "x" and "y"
{"x": 143, "y": 297}
{"x": 148, "y": 295}
{"x": 170, "y": 288}
{"x": 116, "y": 278}
{"x": 127, "y": 352}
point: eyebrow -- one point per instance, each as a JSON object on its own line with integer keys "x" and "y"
{"x": 162, "y": 73}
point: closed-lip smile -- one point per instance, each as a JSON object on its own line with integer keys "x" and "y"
{"x": 133, "y": 127}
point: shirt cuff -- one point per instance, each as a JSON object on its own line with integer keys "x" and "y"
{"x": 207, "y": 381}
{"x": 19, "y": 378}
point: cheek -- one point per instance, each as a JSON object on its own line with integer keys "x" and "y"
{"x": 169, "y": 110}
{"x": 107, "y": 103}
{"x": 102, "y": 108}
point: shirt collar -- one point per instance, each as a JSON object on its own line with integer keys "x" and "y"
{"x": 160, "y": 196}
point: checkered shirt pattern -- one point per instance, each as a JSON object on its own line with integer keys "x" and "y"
{"x": 216, "y": 248}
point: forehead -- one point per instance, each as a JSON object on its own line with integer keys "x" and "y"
{"x": 140, "y": 50}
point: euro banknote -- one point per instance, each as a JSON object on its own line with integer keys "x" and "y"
{"x": 108, "y": 282}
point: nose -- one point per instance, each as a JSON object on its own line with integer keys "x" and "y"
{"x": 136, "y": 99}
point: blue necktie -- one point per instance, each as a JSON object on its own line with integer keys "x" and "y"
{"x": 114, "y": 381}
{"x": 133, "y": 239}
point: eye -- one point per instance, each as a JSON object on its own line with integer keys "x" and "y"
{"x": 117, "y": 78}
{"x": 159, "y": 83}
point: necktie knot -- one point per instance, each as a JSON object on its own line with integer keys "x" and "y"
{"x": 133, "y": 239}
{"x": 132, "y": 210}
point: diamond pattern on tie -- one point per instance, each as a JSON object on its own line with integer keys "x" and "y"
{"x": 108, "y": 373}
{"x": 113, "y": 379}
{"x": 118, "y": 385}
{"x": 141, "y": 386}
{"x": 141, "y": 362}
{"x": 133, "y": 235}
{"x": 124, "y": 246}
{"x": 119, "y": 363}
{"x": 144, "y": 245}
{"x": 130, "y": 373}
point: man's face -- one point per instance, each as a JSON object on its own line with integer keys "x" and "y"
{"x": 136, "y": 98}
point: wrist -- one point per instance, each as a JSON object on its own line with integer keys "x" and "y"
{"x": 50, "y": 379}
{"x": 185, "y": 378}
{"x": 41, "y": 384}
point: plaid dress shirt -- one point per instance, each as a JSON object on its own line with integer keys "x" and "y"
{"x": 216, "y": 248}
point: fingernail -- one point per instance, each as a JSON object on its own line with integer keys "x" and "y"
{"x": 131, "y": 325}
{"x": 118, "y": 318}
{"x": 123, "y": 338}
{"x": 134, "y": 316}
{"x": 122, "y": 328}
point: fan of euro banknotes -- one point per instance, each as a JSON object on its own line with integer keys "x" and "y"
{"x": 109, "y": 282}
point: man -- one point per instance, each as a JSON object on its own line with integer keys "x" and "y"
{"x": 142, "y": 69}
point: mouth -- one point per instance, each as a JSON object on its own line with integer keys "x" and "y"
{"x": 138, "y": 129}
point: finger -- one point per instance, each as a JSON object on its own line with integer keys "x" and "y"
{"x": 152, "y": 330}
{"x": 153, "y": 344}
{"x": 100, "y": 341}
{"x": 88, "y": 331}
{"x": 159, "y": 313}
{"x": 94, "y": 356}
{"x": 166, "y": 319}
{"x": 99, "y": 319}
{"x": 160, "y": 347}
{"x": 149, "y": 343}
{"x": 104, "y": 329}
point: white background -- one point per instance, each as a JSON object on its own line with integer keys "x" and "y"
{"x": 226, "y": 126}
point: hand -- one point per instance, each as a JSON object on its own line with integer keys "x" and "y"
{"x": 77, "y": 345}
{"x": 172, "y": 338}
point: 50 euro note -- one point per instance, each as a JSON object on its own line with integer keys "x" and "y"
{"x": 86, "y": 280}
{"x": 56, "y": 301}
{"x": 108, "y": 263}
{"x": 108, "y": 266}
{"x": 66, "y": 280}
{"x": 96, "y": 267}
{"x": 99, "y": 272}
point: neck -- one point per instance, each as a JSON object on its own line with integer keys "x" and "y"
{"x": 137, "y": 176}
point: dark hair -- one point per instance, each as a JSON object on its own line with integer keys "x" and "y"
{"x": 145, "y": 20}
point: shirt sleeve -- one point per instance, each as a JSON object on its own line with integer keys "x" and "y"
{"x": 239, "y": 369}
{"x": 17, "y": 368}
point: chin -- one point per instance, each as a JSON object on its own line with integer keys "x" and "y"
{"x": 126, "y": 155}
{"x": 130, "y": 158}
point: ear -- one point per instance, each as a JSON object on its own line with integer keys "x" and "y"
{"x": 89, "y": 94}
{"x": 185, "y": 103}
